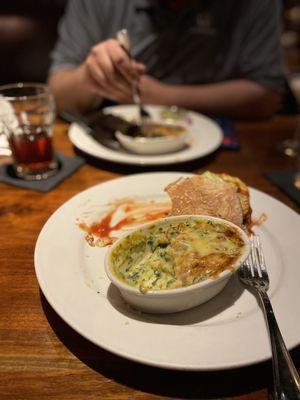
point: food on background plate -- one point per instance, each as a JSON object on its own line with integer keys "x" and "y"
{"x": 155, "y": 138}
{"x": 183, "y": 252}
{"x": 155, "y": 129}
{"x": 175, "y": 113}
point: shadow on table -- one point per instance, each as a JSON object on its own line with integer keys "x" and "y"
{"x": 162, "y": 382}
{"x": 189, "y": 166}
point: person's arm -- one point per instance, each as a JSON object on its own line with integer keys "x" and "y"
{"x": 85, "y": 67}
{"x": 73, "y": 89}
{"x": 107, "y": 72}
{"x": 237, "y": 98}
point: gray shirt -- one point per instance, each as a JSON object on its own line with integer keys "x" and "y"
{"x": 209, "y": 41}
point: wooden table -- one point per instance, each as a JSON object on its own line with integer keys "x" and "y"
{"x": 43, "y": 358}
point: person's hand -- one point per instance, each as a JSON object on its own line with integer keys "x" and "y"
{"x": 111, "y": 72}
{"x": 152, "y": 91}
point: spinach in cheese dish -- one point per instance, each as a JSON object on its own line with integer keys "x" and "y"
{"x": 182, "y": 253}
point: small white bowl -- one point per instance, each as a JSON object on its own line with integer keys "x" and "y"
{"x": 154, "y": 145}
{"x": 175, "y": 299}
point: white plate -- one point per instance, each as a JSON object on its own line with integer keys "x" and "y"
{"x": 205, "y": 138}
{"x": 229, "y": 331}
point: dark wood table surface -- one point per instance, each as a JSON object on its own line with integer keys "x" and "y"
{"x": 41, "y": 357}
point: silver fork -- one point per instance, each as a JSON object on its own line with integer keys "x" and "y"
{"x": 253, "y": 274}
{"x": 123, "y": 39}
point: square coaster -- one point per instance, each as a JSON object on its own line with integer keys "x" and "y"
{"x": 67, "y": 166}
{"x": 285, "y": 181}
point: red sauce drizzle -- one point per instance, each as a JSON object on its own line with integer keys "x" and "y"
{"x": 104, "y": 227}
{"x": 140, "y": 212}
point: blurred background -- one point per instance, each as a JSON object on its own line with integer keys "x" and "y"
{"x": 291, "y": 44}
{"x": 28, "y": 33}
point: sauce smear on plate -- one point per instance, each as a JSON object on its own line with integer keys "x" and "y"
{"x": 124, "y": 214}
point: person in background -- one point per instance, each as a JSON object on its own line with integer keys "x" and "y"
{"x": 215, "y": 57}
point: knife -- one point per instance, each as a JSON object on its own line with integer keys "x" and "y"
{"x": 102, "y": 127}
{"x": 98, "y": 119}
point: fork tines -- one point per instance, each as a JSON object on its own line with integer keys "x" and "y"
{"x": 257, "y": 255}
{"x": 255, "y": 263}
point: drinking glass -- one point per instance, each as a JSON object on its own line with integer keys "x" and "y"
{"x": 27, "y": 113}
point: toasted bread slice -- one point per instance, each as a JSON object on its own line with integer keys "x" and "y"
{"x": 219, "y": 195}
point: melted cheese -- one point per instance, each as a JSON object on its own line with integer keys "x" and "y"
{"x": 176, "y": 255}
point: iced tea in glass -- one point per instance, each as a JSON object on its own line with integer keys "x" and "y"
{"x": 27, "y": 113}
